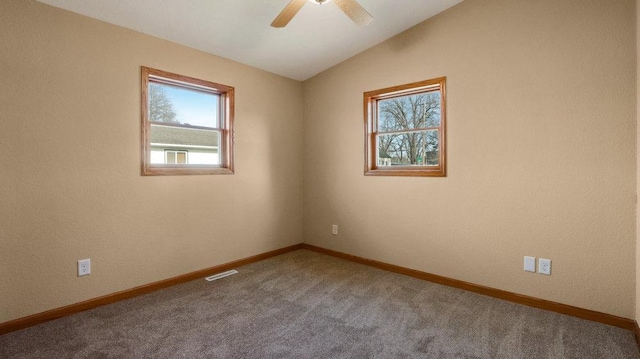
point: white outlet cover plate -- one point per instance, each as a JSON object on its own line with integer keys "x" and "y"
{"x": 334, "y": 229}
{"x": 84, "y": 267}
{"x": 544, "y": 266}
{"x": 530, "y": 264}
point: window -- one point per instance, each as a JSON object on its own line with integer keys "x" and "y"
{"x": 175, "y": 157}
{"x": 187, "y": 125}
{"x": 405, "y": 130}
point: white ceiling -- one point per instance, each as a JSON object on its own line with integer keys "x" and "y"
{"x": 318, "y": 37}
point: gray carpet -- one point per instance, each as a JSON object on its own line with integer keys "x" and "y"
{"x": 307, "y": 305}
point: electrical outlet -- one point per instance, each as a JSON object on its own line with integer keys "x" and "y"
{"x": 334, "y": 229}
{"x": 84, "y": 267}
{"x": 544, "y": 266}
{"x": 530, "y": 264}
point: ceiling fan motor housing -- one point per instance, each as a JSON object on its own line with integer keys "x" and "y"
{"x": 351, "y": 8}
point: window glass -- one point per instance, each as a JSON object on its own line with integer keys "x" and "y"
{"x": 405, "y": 130}
{"x": 187, "y": 125}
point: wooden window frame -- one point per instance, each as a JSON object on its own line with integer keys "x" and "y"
{"x": 226, "y": 104}
{"x": 371, "y": 99}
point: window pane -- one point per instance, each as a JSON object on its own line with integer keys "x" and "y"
{"x": 408, "y": 149}
{"x": 405, "y": 130}
{"x": 170, "y": 104}
{"x": 171, "y": 157}
{"x": 189, "y": 117}
{"x": 409, "y": 112}
{"x": 181, "y": 157}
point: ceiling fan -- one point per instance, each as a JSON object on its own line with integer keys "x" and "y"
{"x": 350, "y": 7}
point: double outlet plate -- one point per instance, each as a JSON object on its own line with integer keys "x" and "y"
{"x": 84, "y": 267}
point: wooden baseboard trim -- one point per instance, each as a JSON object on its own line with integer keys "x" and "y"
{"x": 35, "y": 319}
{"x": 587, "y": 314}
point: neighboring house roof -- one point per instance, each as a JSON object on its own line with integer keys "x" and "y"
{"x": 383, "y": 154}
{"x": 185, "y": 136}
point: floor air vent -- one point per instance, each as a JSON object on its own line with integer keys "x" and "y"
{"x": 221, "y": 275}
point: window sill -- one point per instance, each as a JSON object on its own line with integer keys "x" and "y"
{"x": 406, "y": 171}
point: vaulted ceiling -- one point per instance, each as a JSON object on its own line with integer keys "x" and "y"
{"x": 318, "y": 37}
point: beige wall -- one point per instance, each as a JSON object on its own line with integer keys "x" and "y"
{"x": 541, "y": 151}
{"x": 70, "y": 184}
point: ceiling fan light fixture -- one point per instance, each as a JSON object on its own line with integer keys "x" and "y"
{"x": 320, "y": 2}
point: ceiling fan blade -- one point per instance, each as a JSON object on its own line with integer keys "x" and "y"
{"x": 288, "y": 13}
{"x": 356, "y": 12}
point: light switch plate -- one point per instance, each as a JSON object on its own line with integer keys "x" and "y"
{"x": 530, "y": 264}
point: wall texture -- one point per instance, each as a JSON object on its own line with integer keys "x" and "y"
{"x": 541, "y": 151}
{"x": 70, "y": 184}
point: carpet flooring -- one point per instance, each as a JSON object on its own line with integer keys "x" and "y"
{"x": 307, "y": 305}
